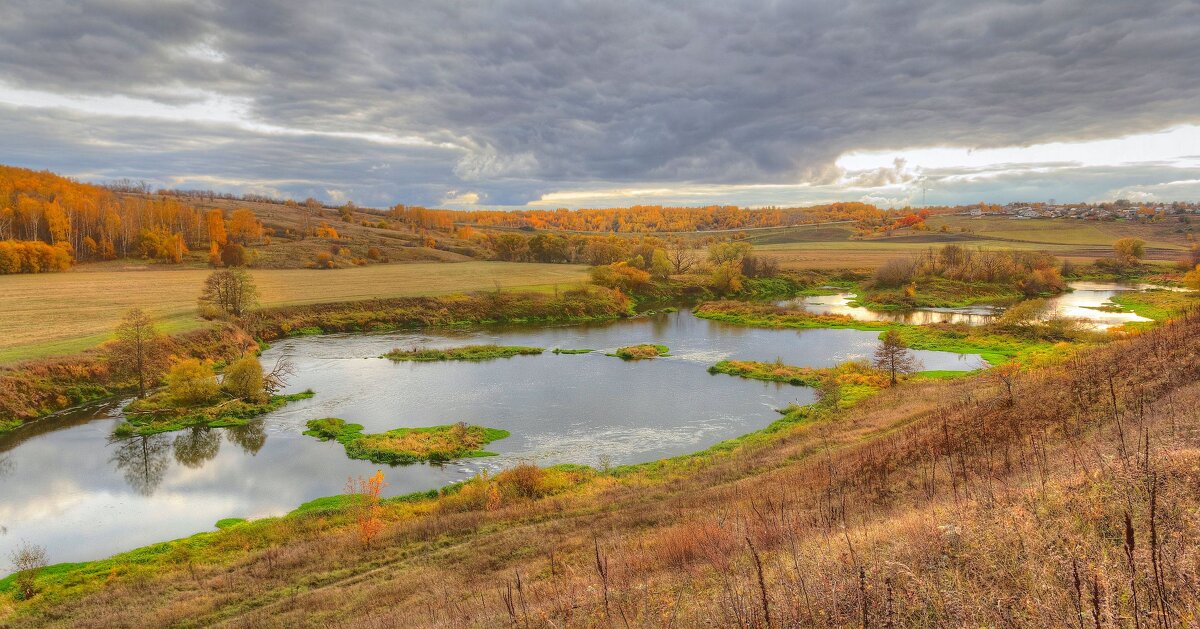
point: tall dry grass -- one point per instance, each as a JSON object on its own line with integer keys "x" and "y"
{"x": 1073, "y": 502}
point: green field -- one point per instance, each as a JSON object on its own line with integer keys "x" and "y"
{"x": 63, "y": 313}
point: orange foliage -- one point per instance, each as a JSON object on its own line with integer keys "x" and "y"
{"x": 325, "y": 231}
{"x": 41, "y": 206}
{"x": 32, "y": 256}
{"x": 244, "y": 226}
{"x": 366, "y": 493}
{"x": 216, "y": 228}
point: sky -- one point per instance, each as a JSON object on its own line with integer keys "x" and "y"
{"x": 545, "y": 104}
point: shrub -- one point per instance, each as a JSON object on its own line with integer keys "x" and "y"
{"x": 192, "y": 382}
{"x": 620, "y": 275}
{"x": 233, "y": 254}
{"x": 896, "y": 272}
{"x": 244, "y": 379}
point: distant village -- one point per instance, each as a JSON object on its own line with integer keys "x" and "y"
{"x": 1111, "y": 211}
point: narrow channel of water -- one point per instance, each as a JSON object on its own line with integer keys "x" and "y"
{"x": 66, "y": 486}
{"x": 1082, "y": 303}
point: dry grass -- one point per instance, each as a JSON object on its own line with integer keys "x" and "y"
{"x": 62, "y": 313}
{"x": 1071, "y": 503}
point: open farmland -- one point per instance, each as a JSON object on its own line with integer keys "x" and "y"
{"x": 830, "y": 247}
{"x": 60, "y": 313}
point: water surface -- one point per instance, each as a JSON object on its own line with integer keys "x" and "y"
{"x": 65, "y": 485}
{"x": 1083, "y": 302}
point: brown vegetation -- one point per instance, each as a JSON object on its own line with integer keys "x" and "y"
{"x": 1070, "y": 503}
{"x": 34, "y": 388}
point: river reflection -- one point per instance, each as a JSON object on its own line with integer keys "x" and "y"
{"x": 1084, "y": 302}
{"x": 65, "y": 484}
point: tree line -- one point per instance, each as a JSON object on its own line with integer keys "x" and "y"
{"x": 47, "y": 222}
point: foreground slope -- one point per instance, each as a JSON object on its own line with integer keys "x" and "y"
{"x": 1063, "y": 496}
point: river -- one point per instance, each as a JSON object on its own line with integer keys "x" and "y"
{"x": 65, "y": 485}
{"x": 1081, "y": 302}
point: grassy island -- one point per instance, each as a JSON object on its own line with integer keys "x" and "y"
{"x": 937, "y": 292}
{"x": 849, "y": 383}
{"x": 468, "y": 352}
{"x": 161, "y": 413}
{"x": 407, "y": 445}
{"x": 573, "y": 351}
{"x": 641, "y": 352}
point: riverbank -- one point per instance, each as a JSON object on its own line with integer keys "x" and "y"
{"x": 994, "y": 347}
{"x": 656, "y": 528}
{"x": 33, "y": 389}
{"x": 149, "y": 416}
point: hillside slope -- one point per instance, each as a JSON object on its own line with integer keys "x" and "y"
{"x": 1070, "y": 499}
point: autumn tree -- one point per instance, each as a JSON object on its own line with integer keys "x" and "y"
{"x": 367, "y": 510}
{"x": 191, "y": 382}
{"x": 234, "y": 255}
{"x": 893, "y": 356}
{"x": 216, "y": 228}
{"x": 1129, "y": 250}
{"x": 244, "y": 379}
{"x": 1191, "y": 279}
{"x": 138, "y": 350}
{"x": 660, "y": 265}
{"x": 228, "y": 292}
{"x": 244, "y": 226}
{"x": 722, "y": 252}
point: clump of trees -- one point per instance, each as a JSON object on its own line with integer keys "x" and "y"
{"x": 34, "y": 256}
{"x": 725, "y": 267}
{"x": 95, "y": 223}
{"x": 192, "y": 382}
{"x": 1127, "y": 255}
{"x": 1032, "y": 272}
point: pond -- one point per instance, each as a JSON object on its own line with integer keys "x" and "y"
{"x": 66, "y": 486}
{"x": 1082, "y": 303}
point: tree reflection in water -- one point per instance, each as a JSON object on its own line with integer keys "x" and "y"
{"x": 144, "y": 461}
{"x": 197, "y": 446}
{"x": 250, "y": 437}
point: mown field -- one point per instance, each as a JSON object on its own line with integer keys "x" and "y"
{"x": 62, "y": 313}
{"x": 830, "y": 247}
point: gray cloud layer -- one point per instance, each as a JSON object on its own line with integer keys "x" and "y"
{"x": 535, "y": 96}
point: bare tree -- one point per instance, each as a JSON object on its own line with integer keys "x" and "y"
{"x": 894, "y": 357}
{"x": 279, "y": 375}
{"x": 230, "y": 292}
{"x": 138, "y": 350}
{"x": 28, "y": 561}
{"x": 681, "y": 256}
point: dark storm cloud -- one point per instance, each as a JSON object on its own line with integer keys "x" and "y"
{"x": 542, "y": 95}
